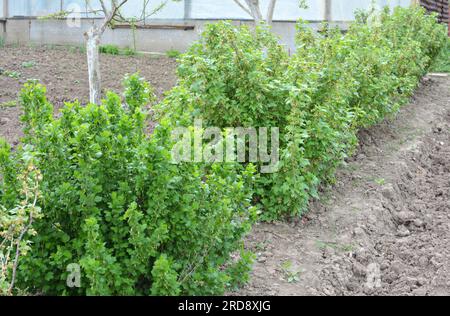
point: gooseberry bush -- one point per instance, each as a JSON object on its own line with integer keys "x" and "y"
{"x": 114, "y": 204}
{"x": 333, "y": 85}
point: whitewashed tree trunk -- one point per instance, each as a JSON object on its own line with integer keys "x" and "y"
{"x": 255, "y": 10}
{"x": 93, "y": 61}
{"x": 270, "y": 12}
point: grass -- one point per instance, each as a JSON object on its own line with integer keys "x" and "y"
{"x": 2, "y": 42}
{"x": 322, "y": 245}
{"x": 10, "y": 74}
{"x": 380, "y": 181}
{"x": 290, "y": 275}
{"x": 8, "y": 104}
{"x": 129, "y": 52}
{"x": 442, "y": 62}
{"x": 115, "y": 50}
{"x": 173, "y": 53}
{"x": 110, "y": 49}
{"x": 29, "y": 64}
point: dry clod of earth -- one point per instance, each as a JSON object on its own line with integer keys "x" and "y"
{"x": 386, "y": 228}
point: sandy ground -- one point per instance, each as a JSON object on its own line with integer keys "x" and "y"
{"x": 384, "y": 228}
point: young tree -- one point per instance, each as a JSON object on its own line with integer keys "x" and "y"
{"x": 253, "y": 8}
{"x": 111, "y": 11}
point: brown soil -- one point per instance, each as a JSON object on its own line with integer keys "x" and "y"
{"x": 384, "y": 228}
{"x": 64, "y": 72}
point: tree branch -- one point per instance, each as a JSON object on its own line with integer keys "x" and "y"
{"x": 238, "y": 2}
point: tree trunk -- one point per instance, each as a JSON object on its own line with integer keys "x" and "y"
{"x": 255, "y": 10}
{"x": 93, "y": 61}
{"x": 270, "y": 12}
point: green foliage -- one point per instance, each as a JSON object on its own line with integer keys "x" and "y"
{"x": 109, "y": 49}
{"x": 129, "y": 52}
{"x": 2, "y": 42}
{"x": 55, "y": 16}
{"x": 29, "y": 64}
{"x": 115, "y": 204}
{"x": 166, "y": 278}
{"x": 8, "y": 104}
{"x": 230, "y": 80}
{"x": 137, "y": 92}
{"x": 442, "y": 62}
{"x": 10, "y": 74}
{"x": 137, "y": 224}
{"x": 332, "y": 86}
{"x": 240, "y": 269}
{"x": 115, "y": 50}
{"x": 16, "y": 223}
{"x": 173, "y": 53}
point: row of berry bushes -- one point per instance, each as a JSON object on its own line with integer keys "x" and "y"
{"x": 114, "y": 204}
{"x": 319, "y": 98}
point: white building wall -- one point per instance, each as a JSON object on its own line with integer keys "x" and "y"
{"x": 343, "y": 10}
{"x": 286, "y": 10}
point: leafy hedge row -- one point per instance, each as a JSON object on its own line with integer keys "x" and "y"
{"x": 332, "y": 86}
{"x": 114, "y": 204}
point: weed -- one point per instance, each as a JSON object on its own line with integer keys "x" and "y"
{"x": 261, "y": 246}
{"x": 29, "y": 64}
{"x": 290, "y": 275}
{"x": 173, "y": 53}
{"x": 110, "y": 49}
{"x": 322, "y": 245}
{"x": 442, "y": 62}
{"x": 129, "y": 52}
{"x": 8, "y": 104}
{"x": 10, "y": 74}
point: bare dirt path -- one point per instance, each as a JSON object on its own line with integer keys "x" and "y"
{"x": 384, "y": 228}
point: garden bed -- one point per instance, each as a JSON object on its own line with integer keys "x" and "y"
{"x": 63, "y": 70}
{"x": 383, "y": 229}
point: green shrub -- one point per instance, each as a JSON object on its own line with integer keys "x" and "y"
{"x": 442, "y": 62}
{"x": 236, "y": 77}
{"x": 344, "y": 83}
{"x": 115, "y": 204}
{"x": 332, "y": 86}
{"x": 109, "y": 49}
{"x": 16, "y": 222}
